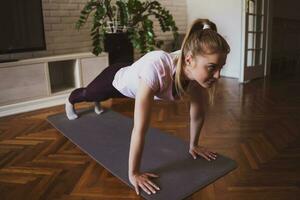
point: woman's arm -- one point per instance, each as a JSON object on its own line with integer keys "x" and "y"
{"x": 197, "y": 112}
{"x": 142, "y": 115}
{"x": 198, "y": 102}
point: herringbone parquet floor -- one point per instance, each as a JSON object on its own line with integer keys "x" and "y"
{"x": 257, "y": 124}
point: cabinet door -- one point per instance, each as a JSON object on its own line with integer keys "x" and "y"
{"x": 91, "y": 67}
{"x": 21, "y": 83}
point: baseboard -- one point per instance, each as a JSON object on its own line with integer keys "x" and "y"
{"x": 32, "y": 105}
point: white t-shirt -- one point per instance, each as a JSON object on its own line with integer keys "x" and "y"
{"x": 156, "y": 68}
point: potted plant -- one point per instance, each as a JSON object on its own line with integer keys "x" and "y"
{"x": 132, "y": 18}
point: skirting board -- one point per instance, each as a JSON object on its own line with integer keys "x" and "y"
{"x": 32, "y": 105}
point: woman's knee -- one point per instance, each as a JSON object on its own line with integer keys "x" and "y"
{"x": 77, "y": 95}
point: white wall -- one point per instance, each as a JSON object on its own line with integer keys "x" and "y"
{"x": 228, "y": 17}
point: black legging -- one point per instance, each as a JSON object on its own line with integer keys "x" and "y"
{"x": 100, "y": 89}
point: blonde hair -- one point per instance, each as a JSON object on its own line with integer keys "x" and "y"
{"x": 201, "y": 38}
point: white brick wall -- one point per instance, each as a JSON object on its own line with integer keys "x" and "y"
{"x": 62, "y": 38}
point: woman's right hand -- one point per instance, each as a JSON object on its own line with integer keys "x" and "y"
{"x": 142, "y": 180}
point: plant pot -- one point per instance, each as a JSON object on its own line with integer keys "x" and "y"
{"x": 119, "y": 48}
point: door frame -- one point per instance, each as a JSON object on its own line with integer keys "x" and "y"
{"x": 268, "y": 35}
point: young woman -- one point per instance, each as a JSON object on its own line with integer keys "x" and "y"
{"x": 164, "y": 76}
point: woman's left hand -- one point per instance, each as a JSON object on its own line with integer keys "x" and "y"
{"x": 203, "y": 152}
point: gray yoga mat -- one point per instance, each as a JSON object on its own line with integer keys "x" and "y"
{"x": 106, "y": 138}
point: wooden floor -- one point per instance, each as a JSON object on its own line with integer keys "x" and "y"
{"x": 257, "y": 124}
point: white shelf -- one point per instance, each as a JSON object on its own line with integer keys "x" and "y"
{"x": 47, "y": 79}
{"x": 51, "y": 58}
{"x": 62, "y": 75}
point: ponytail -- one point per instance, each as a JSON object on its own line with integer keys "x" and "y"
{"x": 201, "y": 38}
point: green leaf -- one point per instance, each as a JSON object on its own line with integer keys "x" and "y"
{"x": 133, "y": 13}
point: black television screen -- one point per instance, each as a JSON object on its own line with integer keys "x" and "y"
{"x": 21, "y": 26}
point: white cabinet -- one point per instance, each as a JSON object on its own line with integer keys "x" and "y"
{"x": 42, "y": 82}
{"x": 91, "y": 67}
{"x": 22, "y": 82}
